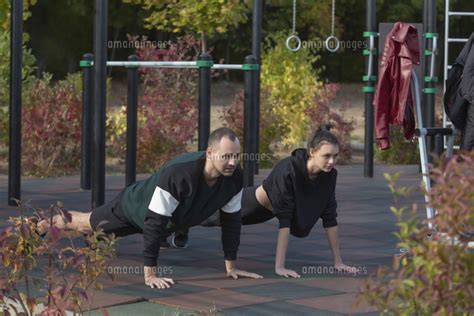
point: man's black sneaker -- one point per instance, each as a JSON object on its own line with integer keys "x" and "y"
{"x": 164, "y": 243}
{"x": 179, "y": 240}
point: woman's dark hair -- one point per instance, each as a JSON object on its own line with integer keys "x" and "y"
{"x": 320, "y": 136}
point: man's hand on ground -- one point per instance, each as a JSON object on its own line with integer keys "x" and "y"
{"x": 235, "y": 273}
{"x": 153, "y": 281}
{"x": 159, "y": 283}
{"x": 287, "y": 273}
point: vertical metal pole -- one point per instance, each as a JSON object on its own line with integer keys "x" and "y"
{"x": 250, "y": 97}
{"x": 429, "y": 25}
{"x": 438, "y": 144}
{"x": 100, "y": 86}
{"x": 204, "y": 64}
{"x": 256, "y": 48}
{"x": 132, "y": 106}
{"x": 16, "y": 53}
{"x": 415, "y": 92}
{"x": 86, "y": 135}
{"x": 369, "y": 97}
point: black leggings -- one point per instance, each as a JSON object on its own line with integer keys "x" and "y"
{"x": 252, "y": 211}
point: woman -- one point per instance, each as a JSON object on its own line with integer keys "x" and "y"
{"x": 299, "y": 191}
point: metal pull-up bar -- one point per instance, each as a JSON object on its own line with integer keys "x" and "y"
{"x": 173, "y": 64}
{"x": 204, "y": 64}
{"x": 100, "y": 52}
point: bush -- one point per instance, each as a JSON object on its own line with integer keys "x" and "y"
{"x": 51, "y": 127}
{"x": 401, "y": 152}
{"x": 27, "y": 72}
{"x": 321, "y": 113}
{"x": 293, "y": 102}
{"x": 292, "y": 84}
{"x": 42, "y": 275}
{"x": 436, "y": 277}
{"x": 167, "y": 114}
{"x": 28, "y": 79}
{"x": 233, "y": 116}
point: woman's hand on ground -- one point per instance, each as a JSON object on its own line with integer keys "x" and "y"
{"x": 341, "y": 267}
{"x": 287, "y": 273}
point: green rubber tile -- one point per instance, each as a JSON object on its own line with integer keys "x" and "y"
{"x": 143, "y": 309}
{"x": 141, "y": 290}
{"x": 284, "y": 291}
{"x": 276, "y": 308}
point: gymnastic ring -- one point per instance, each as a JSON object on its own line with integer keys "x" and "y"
{"x": 298, "y": 43}
{"x": 336, "y": 40}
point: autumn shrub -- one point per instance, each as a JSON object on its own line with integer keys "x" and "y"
{"x": 401, "y": 151}
{"x": 233, "y": 117}
{"x": 51, "y": 274}
{"x": 167, "y": 113}
{"x": 51, "y": 127}
{"x": 322, "y": 113}
{"x": 436, "y": 276}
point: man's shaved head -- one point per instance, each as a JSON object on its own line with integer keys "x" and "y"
{"x": 218, "y": 134}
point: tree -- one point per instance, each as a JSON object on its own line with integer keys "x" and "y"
{"x": 5, "y": 12}
{"x": 205, "y": 18}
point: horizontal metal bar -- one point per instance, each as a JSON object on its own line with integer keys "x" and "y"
{"x": 169, "y": 64}
{"x": 461, "y": 13}
{"x": 227, "y": 66}
{"x": 457, "y": 40}
{"x": 431, "y": 131}
{"x": 151, "y": 63}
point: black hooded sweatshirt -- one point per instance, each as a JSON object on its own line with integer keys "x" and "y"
{"x": 298, "y": 201}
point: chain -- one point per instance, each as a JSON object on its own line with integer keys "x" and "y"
{"x": 333, "y": 16}
{"x": 294, "y": 16}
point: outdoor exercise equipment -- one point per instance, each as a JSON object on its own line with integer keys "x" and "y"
{"x": 370, "y": 77}
{"x": 94, "y": 93}
{"x": 422, "y": 132}
{"x": 332, "y": 38}
{"x": 204, "y": 65}
{"x": 97, "y": 68}
{"x": 294, "y": 36}
{"x": 14, "y": 152}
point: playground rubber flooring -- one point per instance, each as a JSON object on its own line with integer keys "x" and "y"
{"x": 366, "y": 239}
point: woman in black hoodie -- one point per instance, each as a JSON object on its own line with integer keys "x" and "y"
{"x": 299, "y": 191}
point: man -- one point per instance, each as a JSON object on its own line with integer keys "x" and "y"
{"x": 183, "y": 193}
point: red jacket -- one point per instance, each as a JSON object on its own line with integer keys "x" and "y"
{"x": 392, "y": 101}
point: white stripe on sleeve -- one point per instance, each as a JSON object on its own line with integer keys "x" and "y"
{"x": 162, "y": 202}
{"x": 234, "y": 204}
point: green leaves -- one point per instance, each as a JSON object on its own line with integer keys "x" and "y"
{"x": 206, "y": 17}
{"x": 436, "y": 275}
